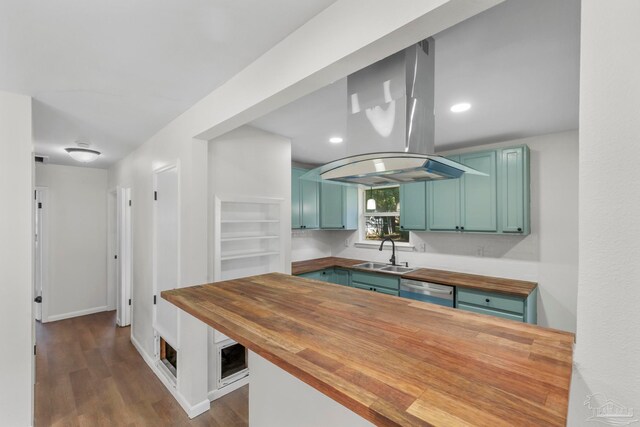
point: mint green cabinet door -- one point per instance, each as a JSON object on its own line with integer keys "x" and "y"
{"x": 310, "y": 204}
{"x": 514, "y": 190}
{"x": 331, "y": 206}
{"x": 413, "y": 206}
{"x": 296, "y": 206}
{"x": 350, "y": 207}
{"x": 479, "y": 199}
{"x": 443, "y": 201}
{"x": 341, "y": 277}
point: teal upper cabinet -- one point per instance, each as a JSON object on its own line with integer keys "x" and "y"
{"x": 338, "y": 206}
{"x": 304, "y": 201}
{"x": 413, "y": 206}
{"x": 498, "y": 202}
{"x": 513, "y": 177}
{"x": 443, "y": 201}
{"x": 479, "y": 193}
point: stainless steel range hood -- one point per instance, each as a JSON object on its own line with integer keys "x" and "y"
{"x": 390, "y": 127}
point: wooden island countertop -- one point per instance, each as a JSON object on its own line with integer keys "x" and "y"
{"x": 501, "y": 285}
{"x": 393, "y": 361}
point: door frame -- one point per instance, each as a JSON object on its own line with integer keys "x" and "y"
{"x": 123, "y": 248}
{"x": 113, "y": 251}
{"x": 41, "y": 195}
{"x": 175, "y": 165}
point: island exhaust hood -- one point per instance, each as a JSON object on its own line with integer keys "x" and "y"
{"x": 391, "y": 124}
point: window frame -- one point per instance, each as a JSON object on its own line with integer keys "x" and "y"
{"x": 362, "y": 222}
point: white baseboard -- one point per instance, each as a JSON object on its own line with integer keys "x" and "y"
{"x": 71, "y": 314}
{"x": 192, "y": 411}
{"x": 218, "y": 393}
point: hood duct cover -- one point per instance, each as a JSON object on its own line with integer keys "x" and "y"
{"x": 391, "y": 124}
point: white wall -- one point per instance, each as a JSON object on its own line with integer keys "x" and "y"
{"x": 310, "y": 244}
{"x": 286, "y": 72}
{"x": 607, "y": 348}
{"x": 16, "y": 260}
{"x": 249, "y": 162}
{"x": 549, "y": 255}
{"x": 77, "y": 235}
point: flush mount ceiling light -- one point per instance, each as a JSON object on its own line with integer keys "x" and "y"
{"x": 335, "y": 140}
{"x": 461, "y": 107}
{"x": 82, "y": 153}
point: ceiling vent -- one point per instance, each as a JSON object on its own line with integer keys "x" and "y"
{"x": 41, "y": 159}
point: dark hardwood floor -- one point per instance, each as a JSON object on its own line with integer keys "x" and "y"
{"x": 89, "y": 374}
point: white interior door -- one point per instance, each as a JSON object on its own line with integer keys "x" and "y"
{"x": 166, "y": 252}
{"x": 125, "y": 262}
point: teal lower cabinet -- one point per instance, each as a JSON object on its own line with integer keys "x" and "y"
{"x": 383, "y": 283}
{"x": 338, "y": 276}
{"x": 506, "y": 306}
{"x": 325, "y": 275}
{"x": 341, "y": 277}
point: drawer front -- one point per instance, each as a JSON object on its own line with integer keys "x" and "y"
{"x": 375, "y": 280}
{"x": 489, "y": 300}
{"x": 386, "y": 291}
{"x": 481, "y": 310}
{"x": 375, "y": 289}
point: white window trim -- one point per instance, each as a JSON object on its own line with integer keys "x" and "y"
{"x": 375, "y": 244}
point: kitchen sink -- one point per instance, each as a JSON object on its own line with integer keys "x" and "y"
{"x": 397, "y": 269}
{"x": 372, "y": 265}
{"x": 378, "y": 266}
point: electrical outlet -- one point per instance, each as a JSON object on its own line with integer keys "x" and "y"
{"x": 480, "y": 251}
{"x": 423, "y": 247}
{"x": 346, "y": 243}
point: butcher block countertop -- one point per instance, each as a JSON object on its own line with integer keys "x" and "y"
{"x": 473, "y": 281}
{"x": 393, "y": 361}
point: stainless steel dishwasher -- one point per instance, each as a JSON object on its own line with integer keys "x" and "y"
{"x": 427, "y": 292}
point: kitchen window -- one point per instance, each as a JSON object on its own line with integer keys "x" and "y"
{"x": 382, "y": 214}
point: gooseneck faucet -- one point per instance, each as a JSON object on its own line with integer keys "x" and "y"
{"x": 393, "y": 249}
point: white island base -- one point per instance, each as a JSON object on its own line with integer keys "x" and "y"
{"x": 278, "y": 399}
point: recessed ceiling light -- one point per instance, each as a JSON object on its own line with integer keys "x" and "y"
{"x": 82, "y": 153}
{"x": 461, "y": 107}
{"x": 335, "y": 140}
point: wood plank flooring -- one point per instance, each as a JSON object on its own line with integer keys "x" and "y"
{"x": 89, "y": 374}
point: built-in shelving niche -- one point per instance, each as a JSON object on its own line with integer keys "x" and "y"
{"x": 248, "y": 237}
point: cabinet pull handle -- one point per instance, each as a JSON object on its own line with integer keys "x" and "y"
{"x": 519, "y": 229}
{"x": 457, "y": 228}
{"x": 487, "y": 300}
{"x": 461, "y": 228}
{"x": 402, "y": 226}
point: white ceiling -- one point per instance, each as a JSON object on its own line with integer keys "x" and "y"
{"x": 517, "y": 64}
{"x": 115, "y": 72}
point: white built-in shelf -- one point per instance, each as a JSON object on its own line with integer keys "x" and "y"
{"x": 249, "y": 221}
{"x": 248, "y": 255}
{"x": 248, "y": 236}
{"x": 241, "y": 238}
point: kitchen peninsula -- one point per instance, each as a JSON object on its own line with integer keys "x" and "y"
{"x": 389, "y": 361}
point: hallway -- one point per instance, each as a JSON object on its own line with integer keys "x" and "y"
{"x": 89, "y": 374}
